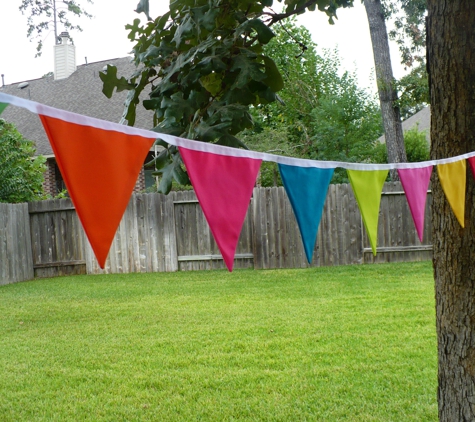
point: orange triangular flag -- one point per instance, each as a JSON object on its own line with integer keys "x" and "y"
{"x": 100, "y": 168}
{"x": 452, "y": 177}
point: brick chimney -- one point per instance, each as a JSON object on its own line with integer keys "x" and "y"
{"x": 64, "y": 57}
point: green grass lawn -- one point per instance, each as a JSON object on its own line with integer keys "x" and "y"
{"x": 353, "y": 343}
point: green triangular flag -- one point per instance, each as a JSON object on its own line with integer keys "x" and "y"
{"x": 3, "y": 106}
{"x": 367, "y": 186}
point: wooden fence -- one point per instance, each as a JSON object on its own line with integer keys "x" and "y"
{"x": 16, "y": 260}
{"x": 169, "y": 233}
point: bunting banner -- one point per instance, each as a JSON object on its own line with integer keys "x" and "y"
{"x": 100, "y": 162}
{"x": 307, "y": 190}
{"x": 224, "y": 187}
{"x": 415, "y": 183}
{"x": 367, "y": 186}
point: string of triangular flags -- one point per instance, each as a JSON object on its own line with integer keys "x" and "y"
{"x": 100, "y": 162}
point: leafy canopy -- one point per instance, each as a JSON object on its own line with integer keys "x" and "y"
{"x": 21, "y": 174}
{"x": 413, "y": 91}
{"x": 203, "y": 66}
{"x": 409, "y": 32}
{"x": 323, "y": 114}
{"x": 417, "y": 147}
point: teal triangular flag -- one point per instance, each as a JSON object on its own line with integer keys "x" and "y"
{"x": 307, "y": 189}
{"x": 3, "y": 106}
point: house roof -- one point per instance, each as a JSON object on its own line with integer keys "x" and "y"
{"x": 80, "y": 93}
{"x": 421, "y": 118}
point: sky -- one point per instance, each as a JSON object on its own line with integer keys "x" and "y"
{"x": 104, "y": 37}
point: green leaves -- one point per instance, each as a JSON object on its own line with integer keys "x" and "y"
{"x": 246, "y": 69}
{"x": 273, "y": 77}
{"x": 143, "y": 7}
{"x": 3, "y": 106}
{"x": 212, "y": 83}
{"x": 264, "y": 33}
{"x": 169, "y": 166}
{"x": 176, "y": 107}
{"x": 110, "y": 81}
{"x": 204, "y": 64}
{"x": 205, "y": 17}
{"x": 21, "y": 173}
{"x": 40, "y": 15}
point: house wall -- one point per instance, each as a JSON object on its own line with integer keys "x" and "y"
{"x": 49, "y": 184}
{"x": 140, "y": 184}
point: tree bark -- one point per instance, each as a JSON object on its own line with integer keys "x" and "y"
{"x": 451, "y": 64}
{"x": 385, "y": 80}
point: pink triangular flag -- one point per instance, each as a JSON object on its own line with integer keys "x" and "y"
{"x": 471, "y": 161}
{"x": 223, "y": 185}
{"x": 415, "y": 182}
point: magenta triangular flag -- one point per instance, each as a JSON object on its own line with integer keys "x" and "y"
{"x": 415, "y": 182}
{"x": 223, "y": 185}
{"x": 471, "y": 161}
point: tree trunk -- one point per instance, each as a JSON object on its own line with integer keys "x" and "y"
{"x": 385, "y": 80}
{"x": 451, "y": 63}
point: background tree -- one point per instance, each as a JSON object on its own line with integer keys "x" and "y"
{"x": 346, "y": 126}
{"x": 413, "y": 91}
{"x": 385, "y": 81}
{"x": 409, "y": 32}
{"x": 451, "y": 60}
{"x": 21, "y": 174}
{"x": 417, "y": 148}
{"x": 322, "y": 114}
{"x": 44, "y": 13}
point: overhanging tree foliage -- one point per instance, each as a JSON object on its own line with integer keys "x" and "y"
{"x": 204, "y": 66}
{"x": 21, "y": 174}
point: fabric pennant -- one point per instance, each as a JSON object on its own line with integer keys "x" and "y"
{"x": 100, "y": 168}
{"x": 367, "y": 187}
{"x": 415, "y": 183}
{"x": 3, "y": 106}
{"x": 471, "y": 161}
{"x": 307, "y": 189}
{"x": 453, "y": 177}
{"x": 223, "y": 185}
